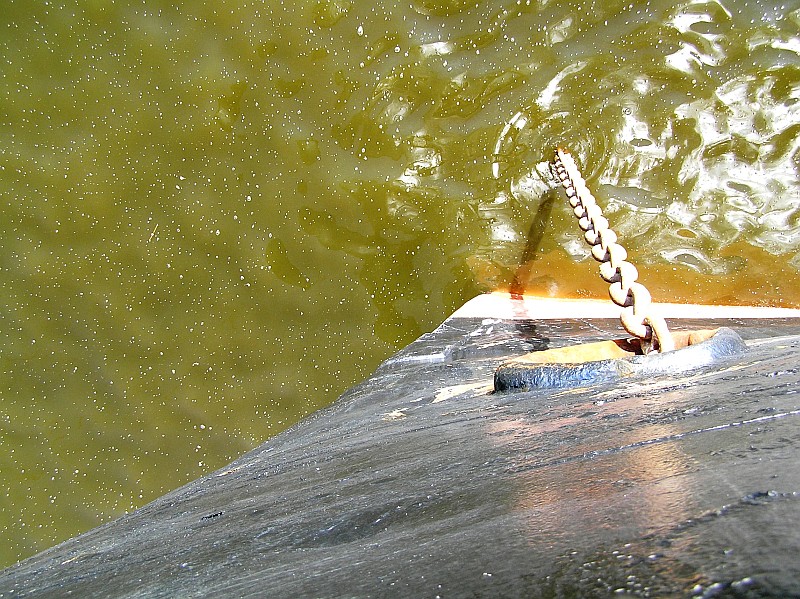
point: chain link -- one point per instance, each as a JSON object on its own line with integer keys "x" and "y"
{"x": 638, "y": 315}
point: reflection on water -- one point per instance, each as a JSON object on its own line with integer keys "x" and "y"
{"x": 219, "y": 216}
{"x": 693, "y": 148}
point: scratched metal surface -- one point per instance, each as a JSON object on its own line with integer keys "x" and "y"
{"x": 420, "y": 482}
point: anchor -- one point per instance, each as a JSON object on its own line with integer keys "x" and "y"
{"x": 652, "y": 350}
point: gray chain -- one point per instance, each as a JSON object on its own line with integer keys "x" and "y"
{"x": 638, "y": 316}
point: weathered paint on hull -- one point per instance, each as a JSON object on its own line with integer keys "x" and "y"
{"x": 422, "y": 482}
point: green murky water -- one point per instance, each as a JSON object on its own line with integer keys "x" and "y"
{"x": 218, "y": 216}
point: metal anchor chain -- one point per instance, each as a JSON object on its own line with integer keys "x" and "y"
{"x": 638, "y": 316}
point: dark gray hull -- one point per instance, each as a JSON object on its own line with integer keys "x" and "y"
{"x": 420, "y": 482}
